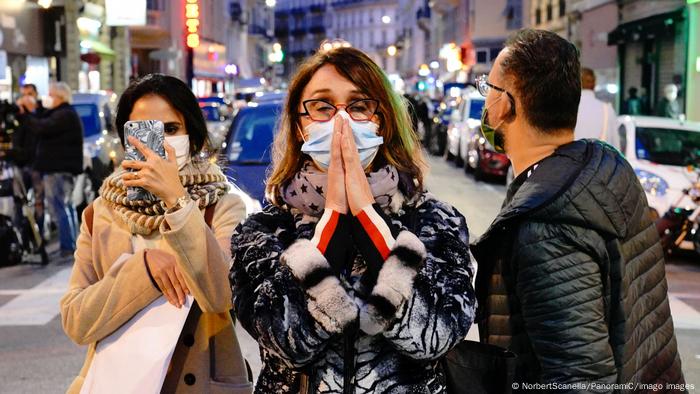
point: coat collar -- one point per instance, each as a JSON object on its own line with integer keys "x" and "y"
{"x": 553, "y": 176}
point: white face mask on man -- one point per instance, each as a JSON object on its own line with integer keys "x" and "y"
{"x": 181, "y": 143}
{"x": 47, "y": 102}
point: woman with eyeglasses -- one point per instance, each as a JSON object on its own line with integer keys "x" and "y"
{"x": 354, "y": 279}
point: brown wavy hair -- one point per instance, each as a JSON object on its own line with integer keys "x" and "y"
{"x": 401, "y": 147}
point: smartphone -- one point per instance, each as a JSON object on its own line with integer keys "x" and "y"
{"x": 150, "y": 133}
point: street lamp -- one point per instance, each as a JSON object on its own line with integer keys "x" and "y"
{"x": 271, "y": 3}
{"x": 386, "y": 19}
{"x": 391, "y": 50}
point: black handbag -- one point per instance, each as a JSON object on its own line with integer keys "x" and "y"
{"x": 478, "y": 368}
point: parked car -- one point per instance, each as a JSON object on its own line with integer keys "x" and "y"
{"x": 661, "y": 150}
{"x": 441, "y": 121}
{"x": 267, "y": 97}
{"x": 218, "y": 122}
{"x": 464, "y": 124}
{"x": 484, "y": 161}
{"x": 102, "y": 148}
{"x": 249, "y": 145}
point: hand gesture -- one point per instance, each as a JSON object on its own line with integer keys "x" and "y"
{"x": 335, "y": 193}
{"x": 359, "y": 194}
{"x": 164, "y": 271}
{"x": 157, "y": 175}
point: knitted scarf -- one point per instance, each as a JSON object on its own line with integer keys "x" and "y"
{"x": 142, "y": 216}
{"x": 306, "y": 191}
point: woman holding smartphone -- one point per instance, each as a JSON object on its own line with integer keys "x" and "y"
{"x": 355, "y": 280}
{"x": 177, "y": 245}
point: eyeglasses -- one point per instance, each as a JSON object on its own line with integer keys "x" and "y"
{"x": 322, "y": 111}
{"x": 484, "y": 87}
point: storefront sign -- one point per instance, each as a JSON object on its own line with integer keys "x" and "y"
{"x": 126, "y": 12}
{"x": 54, "y": 31}
{"x": 209, "y": 60}
{"x": 192, "y": 23}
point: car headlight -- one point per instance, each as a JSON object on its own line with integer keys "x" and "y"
{"x": 652, "y": 183}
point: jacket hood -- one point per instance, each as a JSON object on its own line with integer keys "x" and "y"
{"x": 585, "y": 183}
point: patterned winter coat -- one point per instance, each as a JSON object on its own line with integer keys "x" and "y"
{"x": 390, "y": 294}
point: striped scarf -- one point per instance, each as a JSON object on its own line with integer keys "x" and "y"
{"x": 143, "y": 216}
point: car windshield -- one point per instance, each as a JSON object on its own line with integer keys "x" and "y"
{"x": 475, "y": 109}
{"x": 253, "y": 131}
{"x": 90, "y": 117}
{"x": 668, "y": 146}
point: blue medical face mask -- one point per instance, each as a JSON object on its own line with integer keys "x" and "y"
{"x": 320, "y": 136}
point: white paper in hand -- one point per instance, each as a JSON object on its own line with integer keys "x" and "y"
{"x": 135, "y": 358}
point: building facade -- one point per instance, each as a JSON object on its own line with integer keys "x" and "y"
{"x": 652, "y": 45}
{"x": 590, "y": 21}
{"x": 23, "y": 55}
{"x": 68, "y": 41}
{"x": 693, "y": 72}
{"x": 550, "y": 15}
{"x": 300, "y": 27}
{"x": 490, "y": 24}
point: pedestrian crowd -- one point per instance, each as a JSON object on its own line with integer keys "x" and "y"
{"x": 354, "y": 278}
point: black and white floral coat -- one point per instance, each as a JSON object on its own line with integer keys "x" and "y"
{"x": 364, "y": 304}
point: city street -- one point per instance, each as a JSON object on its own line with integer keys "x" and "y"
{"x": 36, "y": 357}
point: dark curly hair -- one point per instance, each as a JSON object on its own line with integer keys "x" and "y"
{"x": 177, "y": 94}
{"x": 546, "y": 73}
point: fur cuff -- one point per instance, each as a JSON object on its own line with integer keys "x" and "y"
{"x": 328, "y": 302}
{"x": 394, "y": 284}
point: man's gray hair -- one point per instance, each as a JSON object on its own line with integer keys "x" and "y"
{"x": 62, "y": 90}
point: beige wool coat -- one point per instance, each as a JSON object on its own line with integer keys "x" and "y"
{"x": 102, "y": 297}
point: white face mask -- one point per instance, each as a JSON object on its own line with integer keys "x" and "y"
{"x": 320, "y": 137}
{"x": 181, "y": 143}
{"x": 47, "y": 102}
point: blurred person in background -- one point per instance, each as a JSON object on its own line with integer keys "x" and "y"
{"x": 633, "y": 104}
{"x": 174, "y": 246}
{"x": 24, "y": 142}
{"x": 596, "y": 118}
{"x": 354, "y": 279}
{"x": 668, "y": 106}
{"x": 59, "y": 158}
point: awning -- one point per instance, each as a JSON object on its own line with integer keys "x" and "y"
{"x": 97, "y": 47}
{"x": 647, "y": 28}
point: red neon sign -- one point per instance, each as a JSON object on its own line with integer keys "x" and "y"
{"x": 192, "y": 23}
